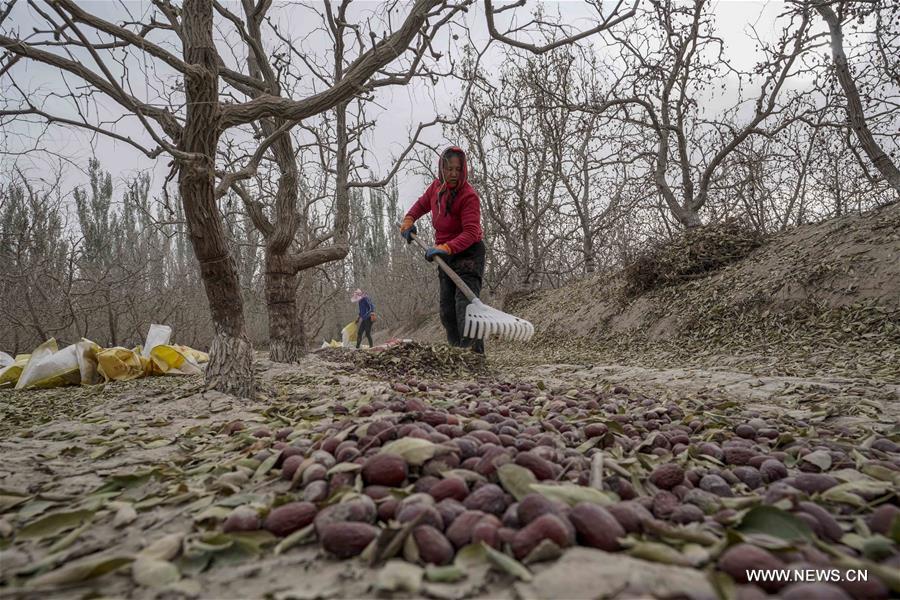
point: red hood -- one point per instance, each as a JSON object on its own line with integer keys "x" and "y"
{"x": 465, "y": 166}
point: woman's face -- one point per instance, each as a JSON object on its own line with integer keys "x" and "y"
{"x": 452, "y": 170}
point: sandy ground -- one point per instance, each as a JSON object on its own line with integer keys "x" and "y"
{"x": 170, "y": 429}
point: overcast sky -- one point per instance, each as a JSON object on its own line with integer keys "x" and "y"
{"x": 402, "y": 108}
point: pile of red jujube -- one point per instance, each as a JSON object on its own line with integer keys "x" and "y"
{"x": 670, "y": 472}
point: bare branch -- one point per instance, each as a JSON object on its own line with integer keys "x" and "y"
{"x": 352, "y": 82}
{"x": 166, "y": 120}
{"x": 612, "y": 20}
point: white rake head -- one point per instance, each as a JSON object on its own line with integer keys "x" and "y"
{"x": 483, "y": 320}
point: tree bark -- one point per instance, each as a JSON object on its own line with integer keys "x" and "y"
{"x": 230, "y": 368}
{"x": 111, "y": 319}
{"x": 590, "y": 262}
{"x": 287, "y": 340}
{"x": 855, "y": 112}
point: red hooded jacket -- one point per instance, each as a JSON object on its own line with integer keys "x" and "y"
{"x": 459, "y": 224}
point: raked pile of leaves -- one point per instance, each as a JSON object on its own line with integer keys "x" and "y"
{"x": 429, "y": 478}
{"x": 411, "y": 359}
{"x": 694, "y": 253}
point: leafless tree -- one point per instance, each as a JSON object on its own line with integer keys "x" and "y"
{"x": 291, "y": 243}
{"x": 886, "y": 40}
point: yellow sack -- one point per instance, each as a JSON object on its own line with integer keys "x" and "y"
{"x": 10, "y": 375}
{"x": 122, "y": 364}
{"x": 348, "y": 333}
{"x": 49, "y": 367}
{"x": 173, "y": 360}
{"x": 198, "y": 356}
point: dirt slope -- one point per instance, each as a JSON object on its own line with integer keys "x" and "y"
{"x": 816, "y": 300}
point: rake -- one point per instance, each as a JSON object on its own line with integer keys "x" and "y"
{"x": 483, "y": 320}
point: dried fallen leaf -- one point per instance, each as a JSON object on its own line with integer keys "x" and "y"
{"x": 8, "y": 501}
{"x": 774, "y": 522}
{"x": 573, "y": 494}
{"x": 819, "y": 458}
{"x": 301, "y": 536}
{"x": 660, "y": 553}
{"x": 165, "y": 548}
{"x": 507, "y": 563}
{"x": 154, "y": 573}
{"x": 399, "y": 576}
{"x": 125, "y": 516}
{"x": 54, "y": 524}
{"x": 516, "y": 480}
{"x": 446, "y": 574}
{"x": 266, "y": 466}
{"x": 414, "y": 450}
{"x": 88, "y": 568}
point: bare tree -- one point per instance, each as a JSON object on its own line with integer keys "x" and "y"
{"x": 671, "y": 60}
{"x": 592, "y": 153}
{"x": 511, "y": 170}
{"x": 680, "y": 76}
{"x": 291, "y": 246}
{"x": 855, "y": 111}
{"x": 585, "y": 146}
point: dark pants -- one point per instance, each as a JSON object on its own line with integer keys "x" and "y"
{"x": 365, "y": 327}
{"x": 469, "y": 265}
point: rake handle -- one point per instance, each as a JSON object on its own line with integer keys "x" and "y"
{"x": 466, "y": 290}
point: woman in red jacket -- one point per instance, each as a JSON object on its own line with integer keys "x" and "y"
{"x": 456, "y": 217}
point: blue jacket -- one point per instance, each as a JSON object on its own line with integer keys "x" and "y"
{"x": 366, "y": 308}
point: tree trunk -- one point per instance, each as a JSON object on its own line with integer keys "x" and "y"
{"x": 287, "y": 331}
{"x": 590, "y": 261}
{"x": 111, "y": 319}
{"x": 854, "y": 105}
{"x": 689, "y": 218}
{"x": 287, "y": 342}
{"x": 230, "y": 368}
{"x": 686, "y": 215}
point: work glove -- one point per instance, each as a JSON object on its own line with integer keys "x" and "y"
{"x": 408, "y": 229}
{"x": 442, "y": 250}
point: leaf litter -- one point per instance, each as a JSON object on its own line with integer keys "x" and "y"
{"x": 159, "y": 516}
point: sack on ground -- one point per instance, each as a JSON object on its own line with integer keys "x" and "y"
{"x": 86, "y": 363}
{"x": 158, "y": 335}
{"x": 175, "y": 360}
{"x": 122, "y": 364}
{"x": 50, "y": 367}
{"x": 10, "y": 375}
{"x": 348, "y": 334}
